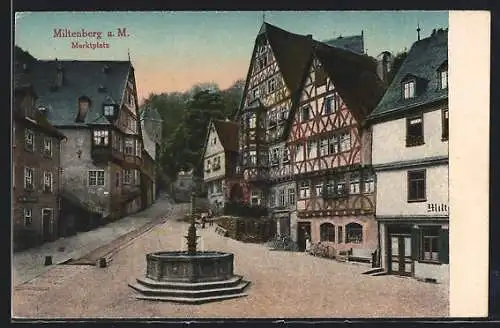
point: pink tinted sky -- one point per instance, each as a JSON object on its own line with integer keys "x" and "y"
{"x": 172, "y": 51}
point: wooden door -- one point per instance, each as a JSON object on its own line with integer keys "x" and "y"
{"x": 47, "y": 224}
{"x": 285, "y": 225}
{"x": 400, "y": 261}
{"x": 304, "y": 229}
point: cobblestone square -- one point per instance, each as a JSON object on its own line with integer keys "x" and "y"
{"x": 283, "y": 284}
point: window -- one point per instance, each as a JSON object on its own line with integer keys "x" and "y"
{"x": 354, "y": 233}
{"x": 345, "y": 141}
{"x": 47, "y": 146}
{"x": 283, "y": 114}
{"x": 216, "y": 163}
{"x": 416, "y": 186}
{"x": 323, "y": 147}
{"x": 127, "y": 176}
{"x": 333, "y": 144}
{"x": 327, "y": 232}
{"x": 214, "y": 141}
{"x": 252, "y": 122}
{"x": 255, "y": 93}
{"x": 298, "y": 153}
{"x": 255, "y": 199}
{"x": 414, "y": 131}
{"x": 271, "y": 85}
{"x": 368, "y": 182}
{"x": 443, "y": 78}
{"x": 329, "y": 187}
{"x": 274, "y": 156}
{"x": 340, "y": 235}
{"x": 253, "y": 157}
{"x": 312, "y": 149}
{"x": 430, "y": 244}
{"x": 286, "y": 159}
{"x": 129, "y": 146}
{"x": 29, "y": 139}
{"x": 305, "y": 113}
{"x": 101, "y": 137}
{"x": 330, "y": 104}
{"x": 319, "y": 189}
{"x": 96, "y": 178}
{"x": 354, "y": 183}
{"x": 408, "y": 89}
{"x": 444, "y": 135}
{"x": 291, "y": 196}
{"x": 137, "y": 177}
{"x": 341, "y": 187}
{"x": 28, "y": 217}
{"x": 209, "y": 166}
{"x": 29, "y": 178}
{"x": 47, "y": 181}
{"x": 304, "y": 191}
{"x": 109, "y": 110}
{"x": 282, "y": 198}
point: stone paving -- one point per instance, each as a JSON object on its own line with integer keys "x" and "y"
{"x": 29, "y": 263}
{"x": 284, "y": 285}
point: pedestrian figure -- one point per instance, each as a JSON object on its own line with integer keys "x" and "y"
{"x": 308, "y": 241}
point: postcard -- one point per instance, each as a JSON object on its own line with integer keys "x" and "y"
{"x": 258, "y": 164}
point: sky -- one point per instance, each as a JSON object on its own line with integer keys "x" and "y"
{"x": 172, "y": 51}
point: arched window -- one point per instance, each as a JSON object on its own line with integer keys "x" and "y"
{"x": 354, "y": 233}
{"x": 327, "y": 232}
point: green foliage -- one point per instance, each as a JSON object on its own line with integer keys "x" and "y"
{"x": 185, "y": 121}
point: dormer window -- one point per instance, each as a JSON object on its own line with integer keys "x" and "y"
{"x": 443, "y": 77}
{"x": 101, "y": 137}
{"x": 319, "y": 76}
{"x": 109, "y": 110}
{"x": 409, "y": 89}
{"x": 83, "y": 108}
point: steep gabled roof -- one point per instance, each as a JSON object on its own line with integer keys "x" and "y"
{"x": 424, "y": 59}
{"x": 227, "y": 131}
{"x": 354, "y": 43}
{"x": 354, "y": 76}
{"x": 292, "y": 52}
{"x": 81, "y": 78}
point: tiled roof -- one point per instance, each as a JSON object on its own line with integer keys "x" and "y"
{"x": 228, "y": 134}
{"x": 354, "y": 76}
{"x": 423, "y": 61}
{"x": 81, "y": 78}
{"x": 354, "y": 43}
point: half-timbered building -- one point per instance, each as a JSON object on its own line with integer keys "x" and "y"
{"x": 94, "y": 103}
{"x": 410, "y": 157}
{"x": 331, "y": 149}
{"x": 219, "y": 159}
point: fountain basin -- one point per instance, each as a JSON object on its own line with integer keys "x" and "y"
{"x": 179, "y": 266}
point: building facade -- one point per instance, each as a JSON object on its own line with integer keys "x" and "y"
{"x": 94, "y": 103}
{"x": 36, "y": 173}
{"x": 280, "y": 147}
{"x": 219, "y": 157}
{"x": 410, "y": 158}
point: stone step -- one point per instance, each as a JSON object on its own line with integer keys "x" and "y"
{"x": 189, "y": 286}
{"x": 187, "y": 293}
{"x": 190, "y": 300}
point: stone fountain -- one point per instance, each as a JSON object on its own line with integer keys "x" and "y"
{"x": 193, "y": 277}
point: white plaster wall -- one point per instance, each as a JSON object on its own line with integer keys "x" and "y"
{"x": 392, "y": 191}
{"x": 389, "y": 140}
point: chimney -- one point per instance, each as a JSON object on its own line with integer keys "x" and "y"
{"x": 310, "y": 36}
{"x": 433, "y": 32}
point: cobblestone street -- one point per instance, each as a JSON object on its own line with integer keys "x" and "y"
{"x": 29, "y": 263}
{"x": 284, "y": 284}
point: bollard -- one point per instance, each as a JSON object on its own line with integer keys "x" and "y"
{"x": 48, "y": 260}
{"x": 102, "y": 262}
